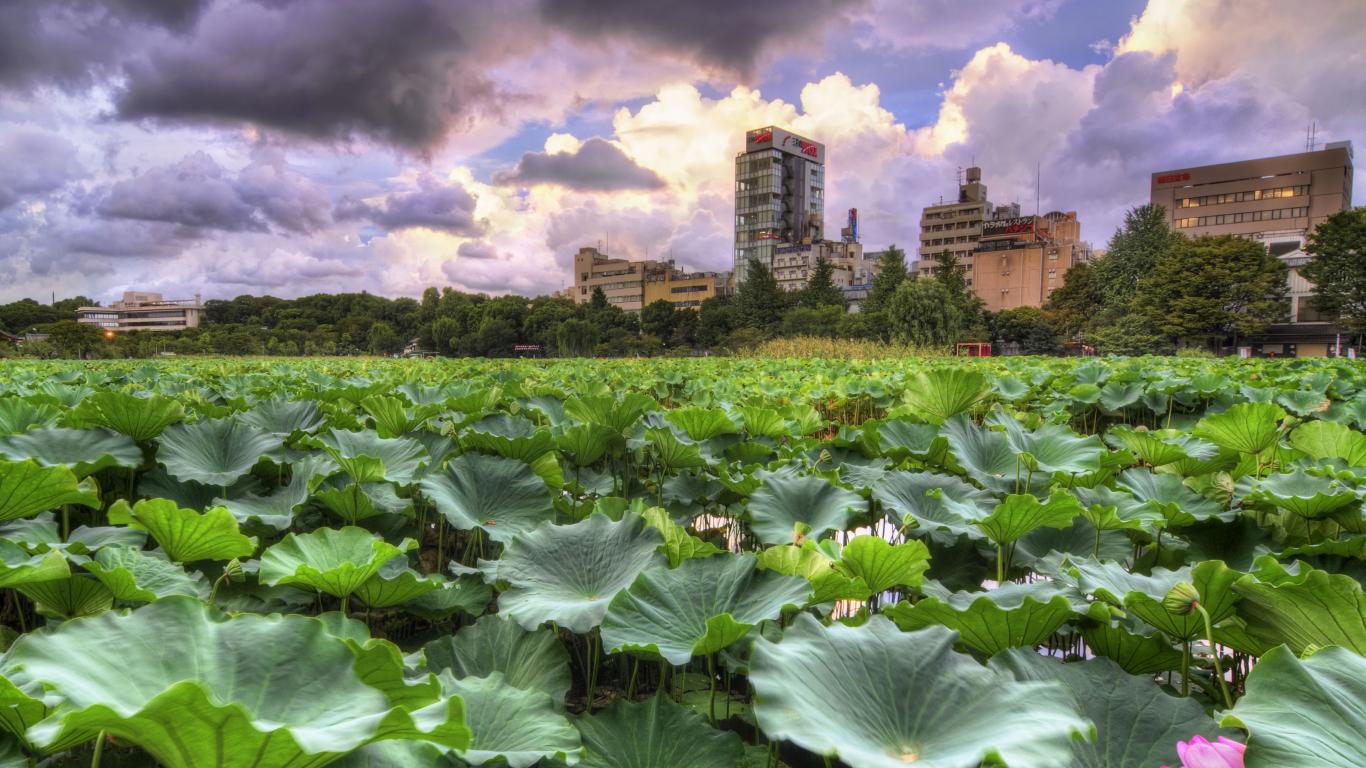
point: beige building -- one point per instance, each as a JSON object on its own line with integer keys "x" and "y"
{"x": 956, "y": 227}
{"x": 1276, "y": 201}
{"x": 144, "y": 311}
{"x": 633, "y": 284}
{"x": 793, "y": 264}
{"x": 1019, "y": 261}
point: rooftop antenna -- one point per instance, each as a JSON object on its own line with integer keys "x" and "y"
{"x": 1311, "y": 135}
{"x": 1037, "y": 182}
{"x": 959, "y": 175}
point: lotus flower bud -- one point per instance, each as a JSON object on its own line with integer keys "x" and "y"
{"x": 1182, "y": 599}
{"x": 1199, "y": 752}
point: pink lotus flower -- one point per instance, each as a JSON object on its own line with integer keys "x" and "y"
{"x": 1199, "y": 752}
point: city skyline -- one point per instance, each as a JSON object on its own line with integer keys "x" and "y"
{"x": 231, "y": 147}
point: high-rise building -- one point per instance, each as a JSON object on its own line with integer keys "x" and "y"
{"x": 143, "y": 311}
{"x": 632, "y": 285}
{"x": 1276, "y": 201}
{"x": 779, "y": 194}
{"x": 1019, "y": 261}
{"x": 955, "y": 227}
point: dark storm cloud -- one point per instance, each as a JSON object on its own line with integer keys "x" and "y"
{"x": 434, "y": 204}
{"x": 395, "y": 70}
{"x": 34, "y": 162}
{"x": 597, "y": 166}
{"x": 732, "y": 34}
{"x": 198, "y": 193}
{"x": 477, "y": 249}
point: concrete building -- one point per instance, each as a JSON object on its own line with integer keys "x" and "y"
{"x": 1276, "y": 201}
{"x": 633, "y": 284}
{"x": 1021, "y": 260}
{"x": 144, "y": 311}
{"x": 779, "y": 194}
{"x": 956, "y": 227}
{"x": 792, "y": 264}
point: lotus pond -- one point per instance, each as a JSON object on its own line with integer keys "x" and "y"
{"x": 683, "y": 563}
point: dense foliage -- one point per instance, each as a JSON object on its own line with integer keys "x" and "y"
{"x": 682, "y": 564}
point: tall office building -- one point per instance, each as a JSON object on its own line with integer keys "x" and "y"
{"x": 957, "y": 226}
{"x": 1276, "y": 201}
{"x": 1020, "y": 261}
{"x": 779, "y": 194}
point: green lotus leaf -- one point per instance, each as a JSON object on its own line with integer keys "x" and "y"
{"x": 19, "y": 415}
{"x": 616, "y": 414}
{"x": 84, "y": 451}
{"x": 516, "y": 726}
{"x": 368, "y": 458}
{"x": 354, "y": 502}
{"x": 1167, "y": 494}
{"x": 391, "y": 416}
{"x": 1019, "y": 514}
{"x": 18, "y": 567}
{"x": 84, "y": 540}
{"x": 655, "y": 734}
{"x": 1304, "y": 713}
{"x": 881, "y": 565}
{"x": 697, "y": 608}
{"x": 141, "y": 418}
{"x": 216, "y": 452}
{"x": 1116, "y": 396}
{"x": 534, "y": 661}
{"x": 902, "y": 438}
{"x": 786, "y": 508}
{"x": 1053, "y": 448}
{"x": 396, "y": 584}
{"x": 69, "y": 598}
{"x": 503, "y": 497}
{"x": 511, "y": 437}
{"x": 467, "y": 594}
{"x": 1304, "y": 494}
{"x": 1159, "y": 447}
{"x": 1009, "y": 616}
{"x": 987, "y": 456}
{"x": 1111, "y": 510}
{"x": 674, "y": 454}
{"x": 1142, "y": 595}
{"x": 878, "y": 697}
{"x": 568, "y": 574}
{"x": 1245, "y": 427}
{"x": 933, "y": 502}
{"x": 701, "y": 423}
{"x": 1312, "y": 610}
{"x": 1303, "y": 402}
{"x": 244, "y": 692}
{"x": 335, "y": 561}
{"x": 1136, "y": 648}
{"x": 763, "y": 422}
{"x": 586, "y": 443}
{"x": 944, "y": 393}
{"x": 817, "y": 568}
{"x": 1137, "y": 723}
{"x": 679, "y": 545}
{"x": 277, "y": 510}
{"x": 186, "y": 535}
{"x": 278, "y": 416}
{"x": 137, "y": 576}
{"x": 28, "y": 488}
{"x": 1326, "y": 440}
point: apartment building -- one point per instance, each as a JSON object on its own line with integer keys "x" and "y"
{"x": 779, "y": 194}
{"x": 1276, "y": 201}
{"x": 1019, "y": 261}
{"x": 956, "y": 227}
{"x": 144, "y": 311}
{"x": 633, "y": 284}
{"x": 793, "y": 264}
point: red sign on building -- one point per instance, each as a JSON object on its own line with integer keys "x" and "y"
{"x": 1171, "y": 177}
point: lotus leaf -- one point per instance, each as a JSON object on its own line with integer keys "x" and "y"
{"x": 84, "y": 451}
{"x": 27, "y": 488}
{"x": 939, "y": 395}
{"x": 1245, "y": 427}
{"x": 493, "y": 644}
{"x": 519, "y": 726}
{"x": 184, "y": 534}
{"x": 1009, "y": 616}
{"x": 1021, "y": 513}
{"x": 335, "y": 561}
{"x": 786, "y": 509}
{"x": 368, "y": 458}
{"x": 1312, "y": 610}
{"x": 141, "y": 418}
{"x": 1325, "y": 440}
{"x": 882, "y": 565}
{"x": 136, "y": 576}
{"x": 503, "y": 497}
{"x": 655, "y": 734}
{"x": 216, "y": 452}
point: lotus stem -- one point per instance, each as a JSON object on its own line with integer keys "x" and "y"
{"x": 711, "y": 682}
{"x": 635, "y": 671}
{"x": 1214, "y": 653}
{"x": 1186, "y": 668}
{"x": 99, "y": 751}
{"x": 345, "y": 605}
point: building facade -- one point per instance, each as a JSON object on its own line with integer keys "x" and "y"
{"x": 633, "y": 284}
{"x": 779, "y": 194}
{"x": 1276, "y": 201}
{"x": 1021, "y": 260}
{"x": 956, "y": 227}
{"x": 144, "y": 311}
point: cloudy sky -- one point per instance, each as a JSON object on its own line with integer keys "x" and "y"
{"x": 290, "y": 147}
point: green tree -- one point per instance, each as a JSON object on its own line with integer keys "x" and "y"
{"x": 1073, "y": 305}
{"x": 760, "y": 301}
{"x": 1027, "y": 327}
{"x": 812, "y": 321}
{"x": 1133, "y": 253}
{"x": 1337, "y": 268}
{"x": 382, "y": 339}
{"x": 599, "y": 299}
{"x": 921, "y": 312}
{"x": 892, "y": 272}
{"x": 1210, "y": 288}
{"x": 77, "y": 340}
{"x": 445, "y": 335}
{"x": 820, "y": 290}
{"x": 575, "y": 338}
{"x": 657, "y": 319}
{"x": 716, "y": 319}
{"x": 950, "y": 273}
